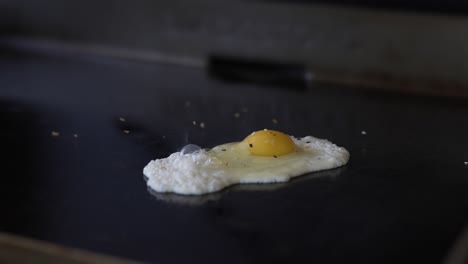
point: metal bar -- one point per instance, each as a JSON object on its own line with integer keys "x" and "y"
{"x": 15, "y": 249}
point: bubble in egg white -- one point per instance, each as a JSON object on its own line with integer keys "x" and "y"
{"x": 190, "y": 148}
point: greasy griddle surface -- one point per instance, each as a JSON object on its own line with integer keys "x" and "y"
{"x": 401, "y": 198}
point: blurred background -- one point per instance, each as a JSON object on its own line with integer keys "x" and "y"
{"x": 90, "y": 92}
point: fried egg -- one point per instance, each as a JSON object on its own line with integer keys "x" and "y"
{"x": 265, "y": 156}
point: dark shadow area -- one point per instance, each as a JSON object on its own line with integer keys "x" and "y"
{"x": 454, "y": 7}
{"x": 19, "y": 153}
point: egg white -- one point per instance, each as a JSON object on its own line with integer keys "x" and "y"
{"x": 211, "y": 170}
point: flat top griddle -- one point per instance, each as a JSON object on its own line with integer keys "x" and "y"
{"x": 401, "y": 198}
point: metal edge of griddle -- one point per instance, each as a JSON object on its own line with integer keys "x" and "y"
{"x": 303, "y": 76}
{"x": 16, "y": 249}
{"x": 459, "y": 252}
{"x": 375, "y": 49}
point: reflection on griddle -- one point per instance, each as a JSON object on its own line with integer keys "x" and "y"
{"x": 196, "y": 200}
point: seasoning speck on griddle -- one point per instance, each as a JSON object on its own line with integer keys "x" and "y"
{"x": 236, "y": 115}
{"x": 55, "y": 133}
{"x": 122, "y": 119}
{"x": 363, "y": 133}
{"x": 194, "y": 122}
{"x": 245, "y": 109}
{"x": 466, "y": 163}
{"x": 126, "y": 131}
{"x": 75, "y": 135}
{"x": 274, "y": 120}
{"x": 202, "y": 125}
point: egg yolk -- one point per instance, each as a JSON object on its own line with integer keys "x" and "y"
{"x": 269, "y": 143}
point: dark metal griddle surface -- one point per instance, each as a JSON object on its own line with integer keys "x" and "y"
{"x": 402, "y": 198}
